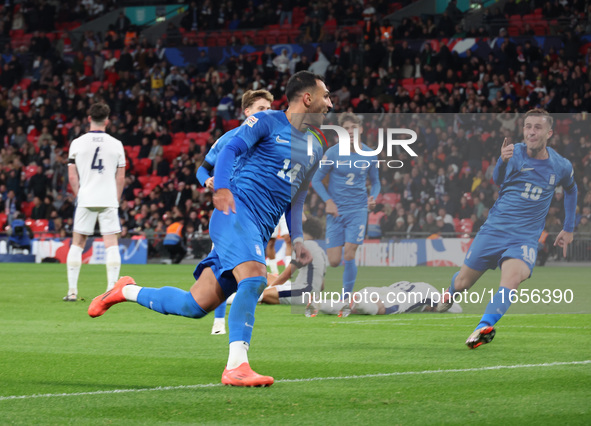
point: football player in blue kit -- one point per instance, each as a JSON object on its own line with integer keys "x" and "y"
{"x": 527, "y": 174}
{"x": 253, "y": 101}
{"x": 346, "y": 199}
{"x": 276, "y": 172}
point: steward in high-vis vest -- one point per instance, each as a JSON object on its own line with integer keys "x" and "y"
{"x": 174, "y": 242}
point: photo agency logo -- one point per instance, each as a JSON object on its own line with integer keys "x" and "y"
{"x": 387, "y": 138}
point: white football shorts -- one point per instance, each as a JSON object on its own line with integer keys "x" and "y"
{"x": 86, "y": 217}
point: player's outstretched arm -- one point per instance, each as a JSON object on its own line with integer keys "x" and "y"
{"x": 501, "y": 167}
{"x": 565, "y": 237}
{"x": 204, "y": 174}
{"x": 283, "y": 277}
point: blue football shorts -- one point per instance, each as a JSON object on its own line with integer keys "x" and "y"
{"x": 236, "y": 237}
{"x": 348, "y": 227}
{"x": 490, "y": 249}
{"x": 225, "y": 279}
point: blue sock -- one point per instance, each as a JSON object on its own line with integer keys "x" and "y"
{"x": 349, "y": 276}
{"x": 496, "y": 308}
{"x": 452, "y": 286}
{"x": 170, "y": 300}
{"x": 241, "y": 317}
{"x": 220, "y": 311}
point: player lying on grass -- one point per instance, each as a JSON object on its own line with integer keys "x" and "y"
{"x": 273, "y": 179}
{"x": 398, "y": 298}
{"x": 253, "y": 101}
{"x": 310, "y": 276}
{"x": 528, "y": 174}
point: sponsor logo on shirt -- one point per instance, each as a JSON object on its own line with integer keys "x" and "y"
{"x": 552, "y": 179}
{"x": 279, "y": 140}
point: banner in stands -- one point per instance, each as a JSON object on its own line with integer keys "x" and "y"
{"x": 481, "y": 47}
{"x": 132, "y": 251}
{"x": 419, "y": 252}
{"x": 423, "y": 252}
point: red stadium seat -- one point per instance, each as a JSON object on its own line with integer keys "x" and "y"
{"x": 142, "y": 166}
{"x": 231, "y": 124}
{"x": 466, "y": 225}
{"x": 39, "y": 225}
{"x": 391, "y": 198}
{"x": 3, "y": 218}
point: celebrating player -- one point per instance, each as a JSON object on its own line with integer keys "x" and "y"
{"x": 253, "y": 101}
{"x": 527, "y": 174}
{"x": 248, "y": 205}
{"x": 398, "y": 298}
{"x": 97, "y": 175}
{"x": 346, "y": 199}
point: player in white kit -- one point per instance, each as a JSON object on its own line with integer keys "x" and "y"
{"x": 96, "y": 169}
{"x": 398, "y": 298}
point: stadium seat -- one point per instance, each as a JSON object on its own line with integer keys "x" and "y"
{"x": 433, "y": 87}
{"x": 391, "y": 198}
{"x": 457, "y": 225}
{"x": 143, "y": 179}
{"x": 231, "y": 124}
{"x": 30, "y": 171}
{"x": 95, "y": 86}
{"x": 142, "y": 166}
{"x": 39, "y": 225}
{"x": 466, "y": 225}
{"x": 3, "y": 218}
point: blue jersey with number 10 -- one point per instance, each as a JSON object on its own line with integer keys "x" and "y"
{"x": 527, "y": 188}
{"x": 275, "y": 166}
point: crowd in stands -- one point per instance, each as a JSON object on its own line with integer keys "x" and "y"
{"x": 167, "y": 118}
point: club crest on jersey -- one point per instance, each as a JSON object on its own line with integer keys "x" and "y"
{"x": 552, "y": 179}
{"x": 251, "y": 121}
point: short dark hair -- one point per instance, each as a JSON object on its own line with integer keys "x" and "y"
{"x": 299, "y": 82}
{"x": 539, "y": 112}
{"x": 99, "y": 112}
{"x": 313, "y": 227}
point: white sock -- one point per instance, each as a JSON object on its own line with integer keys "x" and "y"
{"x": 130, "y": 292}
{"x": 74, "y": 261}
{"x": 272, "y": 264}
{"x": 113, "y": 263}
{"x": 366, "y": 308}
{"x": 238, "y": 354}
{"x": 219, "y": 321}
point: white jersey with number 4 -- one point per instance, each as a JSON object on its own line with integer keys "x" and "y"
{"x": 97, "y": 156}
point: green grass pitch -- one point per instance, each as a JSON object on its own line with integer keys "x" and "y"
{"x": 133, "y": 366}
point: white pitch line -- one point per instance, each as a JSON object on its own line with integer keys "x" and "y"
{"x": 400, "y": 322}
{"x": 310, "y": 379}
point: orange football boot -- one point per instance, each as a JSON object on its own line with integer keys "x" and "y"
{"x": 244, "y": 376}
{"x": 101, "y": 303}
